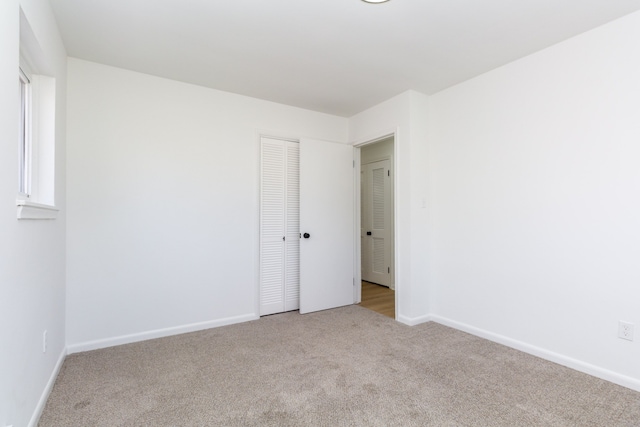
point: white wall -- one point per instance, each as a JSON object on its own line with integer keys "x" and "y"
{"x": 517, "y": 206}
{"x": 405, "y": 114}
{"x": 535, "y": 183}
{"x": 163, "y": 202}
{"x": 379, "y": 150}
{"x": 32, "y": 252}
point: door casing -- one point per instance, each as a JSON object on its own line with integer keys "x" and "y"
{"x": 357, "y": 186}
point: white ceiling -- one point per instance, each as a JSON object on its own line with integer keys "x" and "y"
{"x": 333, "y": 56}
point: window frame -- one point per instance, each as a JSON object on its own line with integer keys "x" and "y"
{"x": 26, "y": 132}
{"x": 36, "y": 101}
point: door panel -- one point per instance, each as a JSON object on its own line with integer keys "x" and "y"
{"x": 292, "y": 243}
{"x": 326, "y": 214}
{"x": 279, "y": 226}
{"x": 376, "y": 223}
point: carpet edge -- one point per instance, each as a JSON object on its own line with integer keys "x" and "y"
{"x": 158, "y": 333}
{"x": 551, "y": 356}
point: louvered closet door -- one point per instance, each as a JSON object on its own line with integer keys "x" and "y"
{"x": 376, "y": 221}
{"x": 279, "y": 227}
{"x": 292, "y": 232}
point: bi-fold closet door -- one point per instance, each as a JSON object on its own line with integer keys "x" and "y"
{"x": 279, "y": 226}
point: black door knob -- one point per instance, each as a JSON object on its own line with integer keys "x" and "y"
{"x": 368, "y": 233}
{"x": 306, "y": 235}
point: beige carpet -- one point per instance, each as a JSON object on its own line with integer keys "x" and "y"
{"x": 342, "y": 367}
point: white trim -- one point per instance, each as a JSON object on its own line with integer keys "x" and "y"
{"x": 376, "y": 159}
{"x": 377, "y": 137}
{"x": 47, "y": 390}
{"x": 31, "y": 210}
{"x": 357, "y": 220}
{"x": 158, "y": 333}
{"x": 26, "y": 133}
{"x": 413, "y": 321}
{"x": 569, "y": 362}
{"x": 24, "y": 70}
{"x": 275, "y": 134}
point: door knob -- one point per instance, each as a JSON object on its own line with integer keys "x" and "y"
{"x": 368, "y": 233}
{"x": 306, "y": 235}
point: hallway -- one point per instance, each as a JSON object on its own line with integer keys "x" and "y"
{"x": 379, "y": 299}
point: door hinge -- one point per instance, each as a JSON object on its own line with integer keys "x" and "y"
{"x": 282, "y": 238}
{"x": 388, "y": 173}
{"x": 388, "y": 270}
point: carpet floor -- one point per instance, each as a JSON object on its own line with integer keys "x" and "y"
{"x": 342, "y": 367}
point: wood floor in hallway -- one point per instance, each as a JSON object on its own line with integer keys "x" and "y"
{"x": 379, "y": 299}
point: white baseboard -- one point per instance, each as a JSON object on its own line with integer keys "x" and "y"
{"x": 158, "y": 333}
{"x": 47, "y": 390}
{"x": 578, "y": 365}
{"x": 413, "y": 321}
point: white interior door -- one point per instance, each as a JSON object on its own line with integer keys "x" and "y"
{"x": 327, "y": 218}
{"x": 376, "y": 223}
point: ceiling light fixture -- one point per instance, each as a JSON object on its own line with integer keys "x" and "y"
{"x": 375, "y": 1}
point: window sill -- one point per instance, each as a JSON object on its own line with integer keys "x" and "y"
{"x": 30, "y": 210}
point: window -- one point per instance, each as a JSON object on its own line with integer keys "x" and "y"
{"x": 36, "y": 141}
{"x": 24, "y": 168}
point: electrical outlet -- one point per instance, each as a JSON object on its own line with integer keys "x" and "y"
{"x": 44, "y": 341}
{"x": 625, "y": 330}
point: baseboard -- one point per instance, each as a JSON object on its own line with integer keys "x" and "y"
{"x": 158, "y": 333}
{"x": 47, "y": 390}
{"x": 413, "y": 321}
{"x": 605, "y": 374}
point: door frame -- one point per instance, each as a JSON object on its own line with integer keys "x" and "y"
{"x": 357, "y": 258}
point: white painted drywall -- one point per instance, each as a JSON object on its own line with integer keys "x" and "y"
{"x": 163, "y": 202}
{"x": 32, "y": 252}
{"x": 380, "y": 150}
{"x": 535, "y": 183}
{"x": 406, "y": 114}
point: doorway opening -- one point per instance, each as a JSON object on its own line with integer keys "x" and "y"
{"x": 377, "y": 226}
